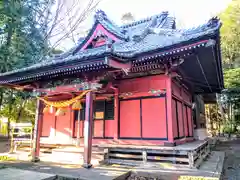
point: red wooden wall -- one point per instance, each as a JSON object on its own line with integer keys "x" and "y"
{"x": 142, "y": 115}
{"x": 49, "y": 124}
{"x": 154, "y": 118}
{"x": 63, "y": 126}
{"x": 182, "y": 112}
{"x": 130, "y": 125}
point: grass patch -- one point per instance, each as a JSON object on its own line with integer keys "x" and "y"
{"x": 7, "y": 158}
{"x": 196, "y": 178}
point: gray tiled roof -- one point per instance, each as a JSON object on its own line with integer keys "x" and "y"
{"x": 145, "y": 35}
{"x": 88, "y": 53}
{"x": 102, "y": 18}
{"x": 162, "y": 20}
{"x": 159, "y": 38}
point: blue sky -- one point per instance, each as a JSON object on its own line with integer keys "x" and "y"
{"x": 188, "y": 13}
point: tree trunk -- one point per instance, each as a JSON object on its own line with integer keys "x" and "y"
{"x": 20, "y": 110}
{"x": 9, "y": 110}
{"x": 1, "y": 97}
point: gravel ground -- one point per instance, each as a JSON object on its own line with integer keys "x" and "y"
{"x": 231, "y": 167}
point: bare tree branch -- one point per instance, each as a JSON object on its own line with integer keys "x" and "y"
{"x": 62, "y": 20}
{"x": 55, "y": 19}
{"x": 75, "y": 21}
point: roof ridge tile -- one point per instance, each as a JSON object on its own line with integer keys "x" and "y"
{"x": 144, "y": 20}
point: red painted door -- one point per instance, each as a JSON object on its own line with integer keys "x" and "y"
{"x": 154, "y": 118}
{"x": 181, "y": 124}
{"x": 175, "y": 119}
{"x": 130, "y": 125}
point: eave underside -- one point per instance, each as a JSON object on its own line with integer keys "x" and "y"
{"x": 202, "y": 71}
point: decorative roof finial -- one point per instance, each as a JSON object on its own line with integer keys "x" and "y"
{"x": 165, "y": 12}
{"x": 100, "y": 15}
{"x": 213, "y": 21}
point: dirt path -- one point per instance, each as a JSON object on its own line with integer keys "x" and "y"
{"x": 232, "y": 160}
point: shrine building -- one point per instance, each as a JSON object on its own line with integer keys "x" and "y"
{"x": 134, "y": 84}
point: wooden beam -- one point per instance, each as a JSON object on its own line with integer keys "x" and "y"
{"x": 88, "y": 123}
{"x": 169, "y": 109}
{"x": 70, "y": 88}
{"x": 119, "y": 65}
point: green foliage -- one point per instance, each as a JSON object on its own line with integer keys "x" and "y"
{"x": 4, "y": 129}
{"x": 230, "y": 34}
{"x": 25, "y": 29}
{"x": 56, "y": 51}
{"x": 232, "y": 78}
{"x": 7, "y": 158}
{"x": 230, "y": 38}
{"x": 196, "y": 178}
{"x": 25, "y": 43}
{"x": 127, "y": 18}
{"x": 23, "y": 110}
{"x": 228, "y": 128}
{"x": 22, "y": 43}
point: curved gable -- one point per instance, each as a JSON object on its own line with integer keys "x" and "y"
{"x": 103, "y": 28}
{"x": 96, "y": 32}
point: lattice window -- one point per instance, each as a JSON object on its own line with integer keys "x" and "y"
{"x": 103, "y": 109}
{"x": 109, "y": 110}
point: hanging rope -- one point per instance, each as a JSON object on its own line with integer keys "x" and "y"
{"x": 62, "y": 104}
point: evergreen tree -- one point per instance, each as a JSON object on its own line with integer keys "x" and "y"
{"x": 22, "y": 44}
{"x": 230, "y": 46}
{"x": 127, "y": 18}
{"x": 26, "y": 28}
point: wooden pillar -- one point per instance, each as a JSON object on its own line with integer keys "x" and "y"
{"x": 169, "y": 112}
{"x": 37, "y": 131}
{"x": 116, "y": 109}
{"x": 197, "y": 111}
{"x": 88, "y": 124}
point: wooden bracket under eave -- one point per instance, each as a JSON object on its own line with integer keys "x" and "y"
{"x": 19, "y": 87}
{"x": 119, "y": 65}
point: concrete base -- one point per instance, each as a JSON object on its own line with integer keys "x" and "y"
{"x": 87, "y": 166}
{"x": 200, "y": 134}
{"x": 35, "y": 159}
{"x": 169, "y": 144}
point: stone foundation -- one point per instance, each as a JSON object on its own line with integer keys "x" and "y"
{"x": 200, "y": 134}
